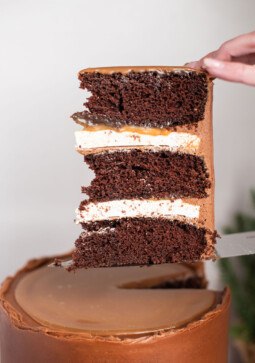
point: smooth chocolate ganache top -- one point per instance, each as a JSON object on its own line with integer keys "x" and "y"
{"x": 114, "y": 301}
{"x": 160, "y": 313}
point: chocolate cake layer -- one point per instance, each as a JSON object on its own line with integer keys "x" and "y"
{"x": 138, "y": 241}
{"x": 146, "y": 174}
{"x": 150, "y": 98}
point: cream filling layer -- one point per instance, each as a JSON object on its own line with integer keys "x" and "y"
{"x": 175, "y": 141}
{"x": 126, "y": 208}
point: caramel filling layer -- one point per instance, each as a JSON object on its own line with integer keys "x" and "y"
{"x": 138, "y": 130}
{"x": 102, "y": 136}
{"x": 125, "y": 70}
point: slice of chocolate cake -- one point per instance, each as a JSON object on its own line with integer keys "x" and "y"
{"x": 147, "y": 135}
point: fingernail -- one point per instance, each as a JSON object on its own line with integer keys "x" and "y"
{"x": 189, "y": 64}
{"x": 210, "y": 62}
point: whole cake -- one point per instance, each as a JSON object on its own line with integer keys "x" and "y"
{"x": 125, "y": 314}
{"x": 147, "y": 135}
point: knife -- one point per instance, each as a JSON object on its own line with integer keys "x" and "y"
{"x": 236, "y": 244}
{"x": 230, "y": 245}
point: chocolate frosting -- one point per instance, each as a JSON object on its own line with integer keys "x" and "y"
{"x": 128, "y": 69}
{"x": 107, "y": 301}
{"x": 203, "y": 339}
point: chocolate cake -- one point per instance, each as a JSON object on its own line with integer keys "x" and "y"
{"x": 158, "y": 314}
{"x": 144, "y": 96}
{"x": 147, "y": 135}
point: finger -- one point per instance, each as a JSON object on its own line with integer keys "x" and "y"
{"x": 231, "y": 71}
{"x": 194, "y": 65}
{"x": 199, "y": 64}
{"x": 248, "y": 59}
{"x": 239, "y": 46}
{"x": 237, "y": 49}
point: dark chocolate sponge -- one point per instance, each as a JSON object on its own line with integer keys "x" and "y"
{"x": 150, "y": 99}
{"x": 138, "y": 241}
{"x": 144, "y": 174}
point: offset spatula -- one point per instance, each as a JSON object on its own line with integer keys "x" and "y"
{"x": 231, "y": 245}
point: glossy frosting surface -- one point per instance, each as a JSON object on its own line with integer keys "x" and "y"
{"x": 128, "y": 69}
{"x": 112, "y": 301}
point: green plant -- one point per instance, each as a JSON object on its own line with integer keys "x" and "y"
{"x": 239, "y": 274}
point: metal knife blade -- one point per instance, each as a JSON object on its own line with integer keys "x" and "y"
{"x": 236, "y": 244}
{"x": 230, "y": 245}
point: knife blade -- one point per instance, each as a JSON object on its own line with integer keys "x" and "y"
{"x": 236, "y": 244}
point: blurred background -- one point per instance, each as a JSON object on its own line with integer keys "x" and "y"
{"x": 43, "y": 46}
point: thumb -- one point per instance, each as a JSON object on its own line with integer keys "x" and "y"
{"x": 230, "y": 71}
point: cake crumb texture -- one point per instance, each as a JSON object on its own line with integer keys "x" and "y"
{"x": 138, "y": 241}
{"x": 144, "y": 175}
{"x": 151, "y": 99}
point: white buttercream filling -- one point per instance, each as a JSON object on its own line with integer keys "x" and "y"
{"x": 86, "y": 139}
{"x": 126, "y": 208}
{"x": 107, "y": 138}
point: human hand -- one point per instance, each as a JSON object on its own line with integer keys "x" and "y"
{"x": 234, "y": 61}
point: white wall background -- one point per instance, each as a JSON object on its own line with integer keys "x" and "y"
{"x": 43, "y": 46}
